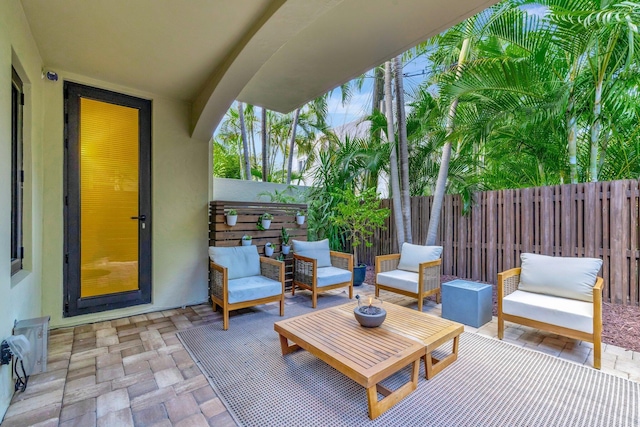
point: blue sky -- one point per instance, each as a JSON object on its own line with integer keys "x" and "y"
{"x": 360, "y": 103}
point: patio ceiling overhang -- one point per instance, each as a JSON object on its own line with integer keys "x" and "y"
{"x": 278, "y": 54}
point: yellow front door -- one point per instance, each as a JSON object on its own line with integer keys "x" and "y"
{"x": 108, "y": 200}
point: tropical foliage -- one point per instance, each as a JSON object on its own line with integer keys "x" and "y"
{"x": 526, "y": 93}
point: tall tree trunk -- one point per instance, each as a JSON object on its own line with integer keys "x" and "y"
{"x": 378, "y": 89}
{"x": 252, "y": 137}
{"x": 393, "y": 159}
{"x": 572, "y": 126}
{"x": 572, "y": 145}
{"x": 404, "y": 150}
{"x": 245, "y": 143}
{"x": 292, "y": 143}
{"x": 265, "y": 147}
{"x": 595, "y": 133}
{"x": 441, "y": 183}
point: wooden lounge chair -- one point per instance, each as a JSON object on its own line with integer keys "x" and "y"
{"x": 558, "y": 294}
{"x": 319, "y": 269}
{"x": 415, "y": 272}
{"x": 241, "y": 278}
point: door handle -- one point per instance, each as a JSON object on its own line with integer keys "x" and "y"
{"x": 140, "y": 218}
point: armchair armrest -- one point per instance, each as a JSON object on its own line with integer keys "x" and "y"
{"x": 387, "y": 262}
{"x": 219, "y": 279}
{"x": 508, "y": 282}
{"x": 273, "y": 269}
{"x": 341, "y": 260}
{"x": 430, "y": 272}
{"x": 304, "y": 269}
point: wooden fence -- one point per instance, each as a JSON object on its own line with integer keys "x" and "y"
{"x": 598, "y": 220}
{"x": 284, "y": 216}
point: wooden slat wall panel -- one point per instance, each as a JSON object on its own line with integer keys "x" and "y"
{"x": 221, "y": 234}
{"x": 600, "y": 219}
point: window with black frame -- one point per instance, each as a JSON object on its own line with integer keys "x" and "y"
{"x": 17, "y": 173}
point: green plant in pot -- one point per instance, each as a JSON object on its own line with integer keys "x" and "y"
{"x": 300, "y": 216}
{"x": 246, "y": 240}
{"x": 265, "y": 221}
{"x": 286, "y": 245}
{"x": 359, "y": 215}
{"x": 268, "y": 249}
{"x": 232, "y": 217}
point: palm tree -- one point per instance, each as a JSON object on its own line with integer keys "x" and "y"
{"x": 438, "y": 196}
{"x": 245, "y": 144}
{"x": 265, "y": 145}
{"x": 393, "y": 157}
{"x": 404, "y": 149}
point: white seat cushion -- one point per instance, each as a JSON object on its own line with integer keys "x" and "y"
{"x": 569, "y": 313}
{"x": 566, "y": 277}
{"x": 317, "y": 250}
{"x": 332, "y": 275}
{"x": 399, "y": 279}
{"x": 240, "y": 261}
{"x": 253, "y": 287}
{"x": 411, "y": 256}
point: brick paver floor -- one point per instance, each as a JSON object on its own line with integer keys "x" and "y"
{"x": 135, "y": 372}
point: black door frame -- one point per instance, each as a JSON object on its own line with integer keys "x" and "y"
{"x": 74, "y": 304}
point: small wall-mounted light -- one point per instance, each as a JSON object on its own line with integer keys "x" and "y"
{"x": 50, "y": 75}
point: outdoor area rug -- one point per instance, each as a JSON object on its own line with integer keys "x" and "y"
{"x": 491, "y": 384}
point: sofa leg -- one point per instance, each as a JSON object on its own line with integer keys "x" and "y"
{"x": 500, "y": 327}
{"x": 597, "y": 354}
{"x": 225, "y": 319}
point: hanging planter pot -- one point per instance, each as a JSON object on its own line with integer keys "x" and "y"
{"x": 232, "y": 217}
{"x": 266, "y": 220}
{"x": 268, "y": 249}
{"x": 246, "y": 240}
{"x": 286, "y": 249}
{"x": 300, "y": 216}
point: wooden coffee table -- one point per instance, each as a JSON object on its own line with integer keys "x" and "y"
{"x": 430, "y": 330}
{"x": 367, "y": 356}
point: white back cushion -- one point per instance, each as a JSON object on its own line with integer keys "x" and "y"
{"x": 564, "y": 277}
{"x": 412, "y": 255}
{"x": 318, "y": 250}
{"x": 240, "y": 261}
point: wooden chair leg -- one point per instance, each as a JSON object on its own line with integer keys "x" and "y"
{"x": 214, "y": 306}
{"x": 314, "y": 298}
{"x": 439, "y": 297}
{"x": 377, "y": 291}
{"x": 293, "y": 289}
{"x": 420, "y": 303}
{"x": 282, "y": 306}
{"x": 225, "y": 318}
{"x": 500, "y": 327}
{"x": 351, "y": 291}
{"x": 597, "y": 354}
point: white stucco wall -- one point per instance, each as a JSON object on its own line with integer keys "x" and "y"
{"x": 180, "y": 195}
{"x": 237, "y": 190}
{"x": 179, "y": 217}
{"x": 21, "y": 294}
